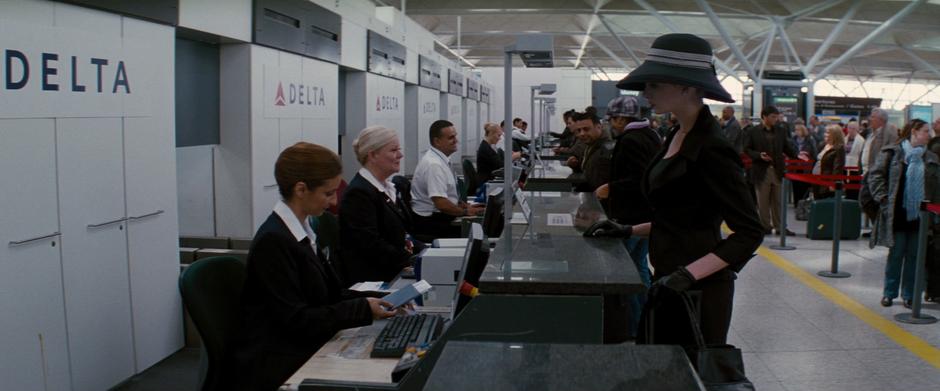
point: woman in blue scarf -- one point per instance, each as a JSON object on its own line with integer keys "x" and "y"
{"x": 903, "y": 176}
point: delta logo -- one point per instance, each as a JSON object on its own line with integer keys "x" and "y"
{"x": 299, "y": 94}
{"x": 386, "y": 103}
{"x": 51, "y": 70}
{"x": 429, "y": 108}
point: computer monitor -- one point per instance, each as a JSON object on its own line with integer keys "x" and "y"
{"x": 493, "y": 221}
{"x": 475, "y": 240}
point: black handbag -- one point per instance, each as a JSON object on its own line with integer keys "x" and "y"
{"x": 720, "y": 367}
{"x": 803, "y": 207}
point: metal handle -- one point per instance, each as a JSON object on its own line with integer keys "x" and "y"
{"x": 270, "y": 186}
{"x": 14, "y": 243}
{"x": 106, "y": 223}
{"x": 141, "y": 217}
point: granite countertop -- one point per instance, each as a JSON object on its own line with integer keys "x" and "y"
{"x": 557, "y": 259}
{"x": 494, "y": 366}
{"x": 569, "y": 265}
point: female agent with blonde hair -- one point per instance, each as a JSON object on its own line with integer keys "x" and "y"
{"x": 293, "y": 301}
{"x": 374, "y": 219}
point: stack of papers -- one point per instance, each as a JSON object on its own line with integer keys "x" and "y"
{"x": 376, "y": 286}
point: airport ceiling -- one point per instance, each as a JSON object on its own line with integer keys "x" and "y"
{"x": 864, "y": 39}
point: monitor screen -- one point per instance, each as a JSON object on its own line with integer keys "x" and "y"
{"x": 475, "y": 240}
{"x": 493, "y": 221}
{"x": 474, "y": 262}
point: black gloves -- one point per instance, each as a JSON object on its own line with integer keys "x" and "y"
{"x": 609, "y": 229}
{"x": 679, "y": 281}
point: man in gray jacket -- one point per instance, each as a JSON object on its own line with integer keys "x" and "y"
{"x": 882, "y": 135}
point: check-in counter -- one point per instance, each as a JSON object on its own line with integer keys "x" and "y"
{"x": 551, "y": 257}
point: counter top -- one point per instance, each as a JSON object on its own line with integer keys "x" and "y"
{"x": 493, "y": 366}
{"x": 552, "y": 258}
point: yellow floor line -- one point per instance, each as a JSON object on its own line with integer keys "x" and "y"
{"x": 911, "y": 342}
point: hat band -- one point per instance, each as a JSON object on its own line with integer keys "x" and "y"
{"x": 683, "y": 59}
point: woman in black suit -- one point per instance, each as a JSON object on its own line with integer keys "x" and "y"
{"x": 693, "y": 184}
{"x": 293, "y": 301}
{"x": 374, "y": 219}
{"x": 489, "y": 154}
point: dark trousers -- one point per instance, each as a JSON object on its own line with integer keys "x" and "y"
{"x": 265, "y": 371}
{"x": 437, "y": 225}
{"x": 800, "y": 189}
{"x": 666, "y": 320}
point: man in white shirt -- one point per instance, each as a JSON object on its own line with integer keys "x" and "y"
{"x": 434, "y": 197}
{"x": 854, "y": 144}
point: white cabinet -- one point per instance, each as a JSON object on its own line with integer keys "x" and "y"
{"x": 32, "y": 327}
{"x": 88, "y": 262}
{"x": 265, "y": 146}
{"x": 151, "y": 239}
{"x": 94, "y": 251}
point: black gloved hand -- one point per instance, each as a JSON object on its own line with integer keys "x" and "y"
{"x": 679, "y": 281}
{"x": 607, "y": 228}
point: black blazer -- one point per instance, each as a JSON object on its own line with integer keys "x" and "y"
{"x": 595, "y": 164}
{"x": 372, "y": 232}
{"x": 291, "y": 305}
{"x": 701, "y": 186}
{"x": 756, "y": 142}
{"x": 487, "y": 161}
{"x": 633, "y": 152}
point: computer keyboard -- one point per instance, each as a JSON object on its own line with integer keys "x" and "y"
{"x": 402, "y": 330}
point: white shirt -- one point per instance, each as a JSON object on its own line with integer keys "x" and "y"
{"x": 518, "y": 135}
{"x": 852, "y": 158}
{"x": 495, "y": 147}
{"x": 388, "y": 187}
{"x": 300, "y": 229}
{"x": 433, "y": 178}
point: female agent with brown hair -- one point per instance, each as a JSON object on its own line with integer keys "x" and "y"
{"x": 293, "y": 301}
{"x": 693, "y": 184}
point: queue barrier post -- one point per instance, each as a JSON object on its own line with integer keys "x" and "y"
{"x": 916, "y": 317}
{"x": 833, "y": 271}
{"x": 783, "y": 216}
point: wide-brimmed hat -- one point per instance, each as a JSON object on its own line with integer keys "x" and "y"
{"x": 683, "y": 59}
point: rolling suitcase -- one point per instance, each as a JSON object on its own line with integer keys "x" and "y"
{"x": 819, "y": 225}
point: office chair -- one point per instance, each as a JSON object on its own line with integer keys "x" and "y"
{"x": 327, "y": 229}
{"x": 211, "y": 289}
{"x": 339, "y": 197}
{"x": 470, "y": 176}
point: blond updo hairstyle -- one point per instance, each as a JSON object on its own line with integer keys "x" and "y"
{"x": 372, "y": 139}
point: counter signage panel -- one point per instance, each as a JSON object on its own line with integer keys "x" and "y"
{"x": 428, "y": 112}
{"x": 55, "y": 72}
{"x": 309, "y": 92}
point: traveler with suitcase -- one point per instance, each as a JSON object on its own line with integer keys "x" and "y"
{"x": 904, "y": 175}
{"x": 831, "y": 160}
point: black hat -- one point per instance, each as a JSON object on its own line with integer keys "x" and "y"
{"x": 682, "y": 59}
